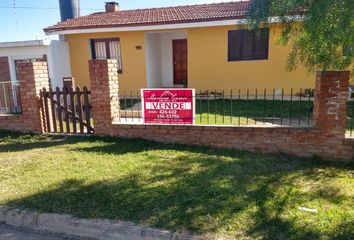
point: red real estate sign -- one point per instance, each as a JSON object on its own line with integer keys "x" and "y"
{"x": 168, "y": 106}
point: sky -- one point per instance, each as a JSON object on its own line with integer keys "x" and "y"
{"x": 26, "y": 20}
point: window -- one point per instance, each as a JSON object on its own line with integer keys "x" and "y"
{"x": 248, "y": 45}
{"x": 107, "y": 49}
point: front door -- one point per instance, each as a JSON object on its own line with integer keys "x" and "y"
{"x": 180, "y": 62}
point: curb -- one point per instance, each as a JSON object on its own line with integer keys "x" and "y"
{"x": 100, "y": 229}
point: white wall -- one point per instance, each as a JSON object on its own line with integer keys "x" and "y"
{"x": 58, "y": 62}
{"x": 159, "y": 57}
{"x": 153, "y": 60}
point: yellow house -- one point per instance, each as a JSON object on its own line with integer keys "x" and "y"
{"x": 199, "y": 46}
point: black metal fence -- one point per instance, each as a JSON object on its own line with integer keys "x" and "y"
{"x": 10, "y": 100}
{"x": 286, "y": 107}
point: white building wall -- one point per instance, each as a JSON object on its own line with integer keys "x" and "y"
{"x": 153, "y": 59}
{"x": 58, "y": 62}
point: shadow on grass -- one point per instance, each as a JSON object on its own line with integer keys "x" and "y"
{"x": 204, "y": 191}
{"x": 13, "y": 141}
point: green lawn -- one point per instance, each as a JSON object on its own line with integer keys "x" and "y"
{"x": 232, "y": 194}
{"x": 243, "y": 112}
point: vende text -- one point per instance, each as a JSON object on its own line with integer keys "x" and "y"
{"x": 169, "y": 105}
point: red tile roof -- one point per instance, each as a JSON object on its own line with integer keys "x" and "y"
{"x": 157, "y": 16}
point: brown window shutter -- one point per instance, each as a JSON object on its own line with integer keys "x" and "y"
{"x": 234, "y": 45}
{"x": 248, "y": 45}
{"x": 262, "y": 42}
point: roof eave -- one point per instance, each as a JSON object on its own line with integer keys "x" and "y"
{"x": 164, "y": 26}
{"x": 146, "y": 27}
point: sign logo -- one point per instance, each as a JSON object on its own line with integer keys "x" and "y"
{"x": 168, "y": 106}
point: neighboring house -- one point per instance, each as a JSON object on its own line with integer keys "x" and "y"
{"x": 197, "y": 46}
{"x": 56, "y": 53}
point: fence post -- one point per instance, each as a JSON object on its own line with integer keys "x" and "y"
{"x": 330, "y": 106}
{"x": 104, "y": 94}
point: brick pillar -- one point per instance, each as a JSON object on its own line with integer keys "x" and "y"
{"x": 330, "y": 106}
{"x": 33, "y": 76}
{"x": 104, "y": 94}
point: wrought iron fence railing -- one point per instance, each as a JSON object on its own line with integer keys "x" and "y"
{"x": 285, "y": 107}
{"x": 10, "y": 100}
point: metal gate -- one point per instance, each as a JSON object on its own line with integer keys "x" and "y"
{"x": 67, "y": 110}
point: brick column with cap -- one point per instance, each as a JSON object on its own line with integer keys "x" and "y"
{"x": 33, "y": 77}
{"x": 330, "y": 105}
{"x": 104, "y": 89}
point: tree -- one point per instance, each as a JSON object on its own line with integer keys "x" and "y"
{"x": 321, "y": 31}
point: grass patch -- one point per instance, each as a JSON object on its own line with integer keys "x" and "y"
{"x": 244, "y": 112}
{"x": 232, "y": 194}
{"x": 126, "y": 103}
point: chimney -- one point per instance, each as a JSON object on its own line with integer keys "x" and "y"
{"x": 112, "y": 7}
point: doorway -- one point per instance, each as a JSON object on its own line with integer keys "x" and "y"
{"x": 162, "y": 50}
{"x": 180, "y": 62}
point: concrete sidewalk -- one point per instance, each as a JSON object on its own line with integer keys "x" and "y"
{"x": 24, "y": 224}
{"x": 11, "y": 233}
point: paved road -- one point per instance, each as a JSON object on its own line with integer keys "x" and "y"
{"x": 10, "y": 233}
